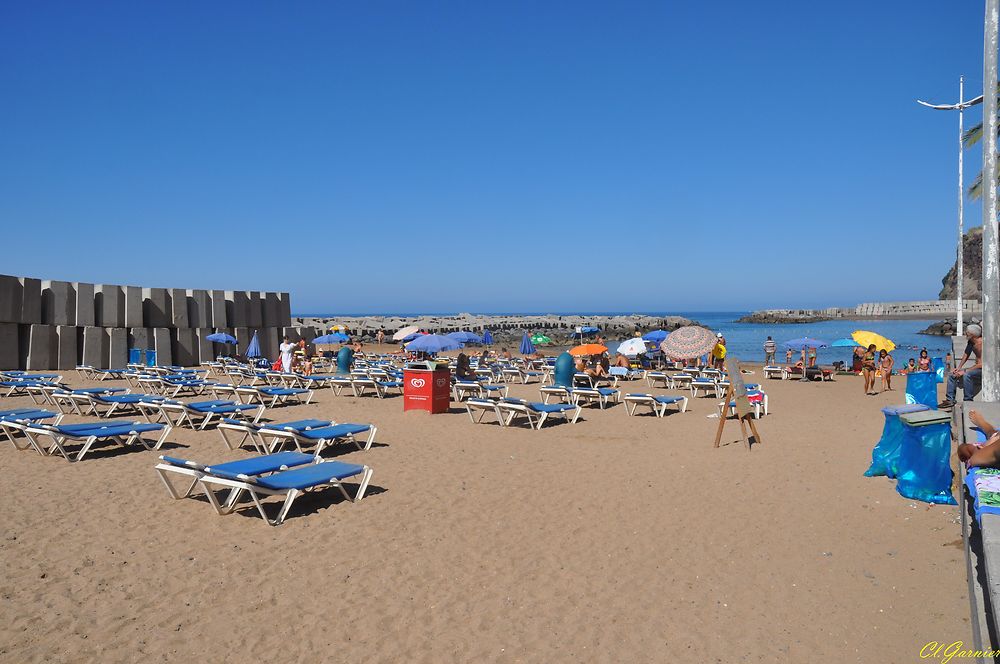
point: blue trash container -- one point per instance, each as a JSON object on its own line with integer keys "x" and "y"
{"x": 924, "y": 467}
{"x": 885, "y": 455}
{"x": 150, "y": 357}
{"x": 135, "y": 356}
{"x": 938, "y": 365}
{"x": 921, "y": 387}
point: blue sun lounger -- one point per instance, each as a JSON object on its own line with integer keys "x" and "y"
{"x": 269, "y": 463}
{"x": 124, "y": 433}
{"x": 536, "y": 412}
{"x": 199, "y": 414}
{"x": 321, "y": 437}
{"x": 252, "y": 431}
{"x": 24, "y": 415}
{"x": 658, "y": 404}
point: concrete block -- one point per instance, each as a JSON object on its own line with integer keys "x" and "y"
{"x": 236, "y": 308}
{"x": 133, "y": 306}
{"x": 9, "y": 345}
{"x": 140, "y": 337}
{"x": 270, "y": 310}
{"x": 254, "y": 312}
{"x": 95, "y": 347}
{"x": 162, "y": 346}
{"x": 291, "y": 332}
{"x": 23, "y": 334}
{"x": 156, "y": 308}
{"x": 31, "y": 301}
{"x": 199, "y": 309}
{"x": 84, "y": 304}
{"x": 43, "y": 347}
{"x": 204, "y": 349}
{"x": 58, "y": 303}
{"x": 284, "y": 310}
{"x": 117, "y": 347}
{"x": 307, "y": 332}
{"x": 243, "y": 336}
{"x": 67, "y": 354}
{"x": 269, "y": 342}
{"x": 218, "y": 304}
{"x": 10, "y": 300}
{"x": 178, "y": 307}
{"x": 109, "y": 306}
{"x": 184, "y": 346}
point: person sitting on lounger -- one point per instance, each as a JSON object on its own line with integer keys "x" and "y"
{"x": 463, "y": 368}
{"x": 987, "y": 455}
{"x": 622, "y": 361}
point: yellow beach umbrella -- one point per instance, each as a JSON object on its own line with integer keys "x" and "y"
{"x": 867, "y": 338}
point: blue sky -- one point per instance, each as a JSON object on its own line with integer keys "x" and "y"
{"x": 516, "y": 156}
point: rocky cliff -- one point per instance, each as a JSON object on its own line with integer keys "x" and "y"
{"x": 972, "y": 251}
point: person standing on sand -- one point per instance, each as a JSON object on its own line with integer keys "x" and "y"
{"x": 770, "y": 350}
{"x": 868, "y": 369}
{"x": 885, "y": 363}
{"x": 380, "y": 336}
{"x": 788, "y": 356}
{"x": 286, "y": 348}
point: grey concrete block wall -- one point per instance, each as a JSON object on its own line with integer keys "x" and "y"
{"x": 43, "y": 348}
{"x": 218, "y": 304}
{"x": 243, "y": 336}
{"x": 10, "y": 299}
{"x": 255, "y": 316}
{"x": 284, "y": 310}
{"x": 156, "y": 308}
{"x": 67, "y": 355}
{"x": 84, "y": 304}
{"x": 269, "y": 342}
{"x": 58, "y": 303}
{"x": 133, "y": 306}
{"x": 184, "y": 346}
{"x": 117, "y": 347}
{"x": 269, "y": 309}
{"x": 199, "y": 309}
{"x": 9, "y": 344}
{"x": 109, "y": 306}
{"x": 140, "y": 337}
{"x": 31, "y": 300}
{"x": 95, "y": 347}
{"x": 236, "y": 308}
{"x": 291, "y": 332}
{"x": 162, "y": 346}
{"x": 204, "y": 349}
{"x": 178, "y": 307}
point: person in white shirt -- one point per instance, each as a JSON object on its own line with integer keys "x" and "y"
{"x": 286, "y": 348}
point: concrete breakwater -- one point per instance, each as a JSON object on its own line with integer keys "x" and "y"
{"x": 867, "y": 310}
{"x": 56, "y": 325}
{"x": 505, "y": 328}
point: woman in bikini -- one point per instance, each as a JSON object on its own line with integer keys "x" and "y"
{"x": 924, "y": 364}
{"x": 868, "y": 369}
{"x": 885, "y": 363}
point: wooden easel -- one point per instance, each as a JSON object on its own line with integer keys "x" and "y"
{"x": 737, "y": 391}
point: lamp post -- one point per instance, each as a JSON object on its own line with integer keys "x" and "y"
{"x": 991, "y": 272}
{"x": 960, "y": 264}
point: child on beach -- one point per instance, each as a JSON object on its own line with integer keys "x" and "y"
{"x": 925, "y": 361}
{"x": 868, "y": 369}
{"x": 788, "y": 356}
{"x": 885, "y": 363}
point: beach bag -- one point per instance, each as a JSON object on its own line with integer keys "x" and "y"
{"x": 277, "y": 365}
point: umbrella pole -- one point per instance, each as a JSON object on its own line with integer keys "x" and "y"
{"x": 804, "y": 376}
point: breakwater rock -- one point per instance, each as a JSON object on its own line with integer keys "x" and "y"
{"x": 945, "y": 328}
{"x": 779, "y": 316}
{"x": 505, "y": 329}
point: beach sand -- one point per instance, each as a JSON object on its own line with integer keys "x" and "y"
{"x": 614, "y": 539}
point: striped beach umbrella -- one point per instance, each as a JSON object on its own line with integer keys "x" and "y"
{"x": 688, "y": 342}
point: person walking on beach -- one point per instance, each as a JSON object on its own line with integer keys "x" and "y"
{"x": 868, "y": 369}
{"x": 286, "y": 349}
{"x": 925, "y": 361}
{"x": 719, "y": 353}
{"x": 788, "y": 356}
{"x": 380, "y": 336}
{"x": 885, "y": 362}
{"x": 812, "y": 357}
{"x": 770, "y": 350}
{"x": 972, "y": 377}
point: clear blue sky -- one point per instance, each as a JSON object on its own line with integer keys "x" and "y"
{"x": 471, "y": 156}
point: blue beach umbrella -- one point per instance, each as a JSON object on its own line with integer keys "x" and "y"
{"x": 844, "y": 343}
{"x": 333, "y": 338}
{"x": 527, "y": 348}
{"x": 656, "y": 336}
{"x": 465, "y": 337}
{"x": 487, "y": 337}
{"x": 806, "y": 342}
{"x": 253, "y": 350}
{"x": 411, "y": 337}
{"x": 432, "y": 343}
{"x": 221, "y": 338}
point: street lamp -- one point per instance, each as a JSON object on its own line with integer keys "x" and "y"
{"x": 960, "y": 107}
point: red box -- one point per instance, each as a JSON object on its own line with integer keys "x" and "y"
{"x": 424, "y": 389}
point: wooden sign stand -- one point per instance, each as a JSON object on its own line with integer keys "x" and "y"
{"x": 737, "y": 391}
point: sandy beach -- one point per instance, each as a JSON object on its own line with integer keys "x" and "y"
{"x": 614, "y": 539}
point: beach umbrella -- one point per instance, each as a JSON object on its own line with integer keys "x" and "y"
{"x": 844, "y": 343}
{"x": 253, "y": 350}
{"x": 806, "y": 342}
{"x": 221, "y": 338}
{"x": 405, "y": 332}
{"x": 432, "y": 343}
{"x": 333, "y": 338}
{"x": 487, "y": 337}
{"x": 540, "y": 339}
{"x": 465, "y": 337}
{"x": 656, "y": 336}
{"x": 527, "y": 348}
{"x": 410, "y": 337}
{"x": 588, "y": 349}
{"x": 865, "y": 339}
{"x": 633, "y": 346}
{"x": 688, "y": 342}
